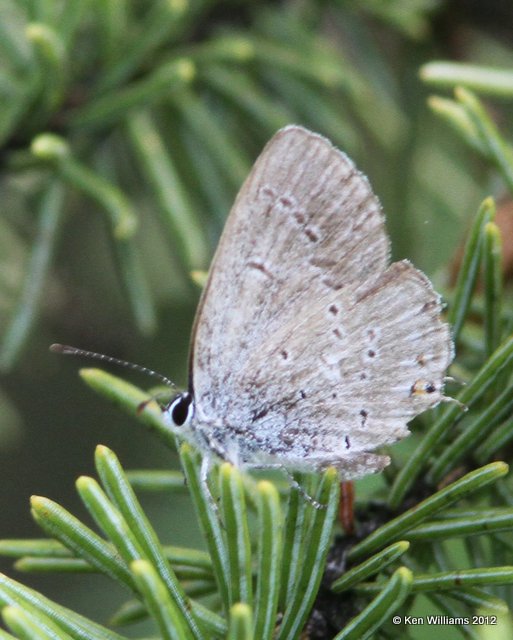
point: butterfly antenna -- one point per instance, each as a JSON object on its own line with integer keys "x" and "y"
{"x": 74, "y": 351}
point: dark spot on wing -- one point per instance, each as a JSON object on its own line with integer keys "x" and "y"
{"x": 420, "y": 387}
{"x": 268, "y": 192}
{"x": 260, "y": 414}
{"x": 427, "y": 306}
{"x": 259, "y": 266}
{"x": 322, "y": 263}
{"x": 331, "y": 284}
{"x": 288, "y": 435}
{"x": 311, "y": 235}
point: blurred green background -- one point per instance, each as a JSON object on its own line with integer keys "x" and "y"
{"x": 127, "y": 128}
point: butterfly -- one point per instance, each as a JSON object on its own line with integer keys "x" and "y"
{"x": 309, "y": 349}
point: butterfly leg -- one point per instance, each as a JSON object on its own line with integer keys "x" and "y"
{"x": 292, "y": 481}
{"x": 295, "y": 485}
{"x": 206, "y": 466}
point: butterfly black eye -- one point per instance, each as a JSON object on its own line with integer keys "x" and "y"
{"x": 181, "y": 409}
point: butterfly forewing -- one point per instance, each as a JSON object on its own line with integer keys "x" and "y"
{"x": 272, "y": 249}
{"x": 306, "y": 348}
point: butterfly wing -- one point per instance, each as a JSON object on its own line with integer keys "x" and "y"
{"x": 352, "y": 379}
{"x": 299, "y": 270}
{"x": 304, "y": 217}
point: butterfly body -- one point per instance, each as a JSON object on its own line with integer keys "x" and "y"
{"x": 309, "y": 349}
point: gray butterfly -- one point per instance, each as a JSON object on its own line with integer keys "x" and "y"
{"x": 309, "y": 349}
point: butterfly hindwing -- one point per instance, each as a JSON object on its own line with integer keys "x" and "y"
{"x": 298, "y": 287}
